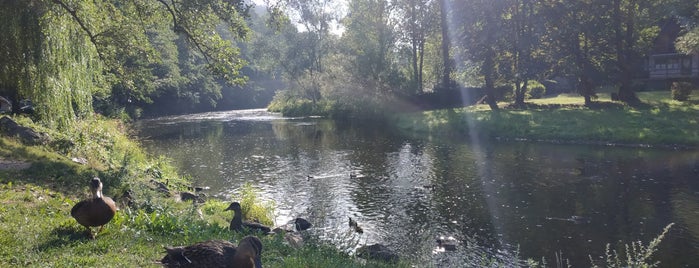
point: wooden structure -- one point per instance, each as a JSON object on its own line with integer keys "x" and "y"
{"x": 665, "y": 63}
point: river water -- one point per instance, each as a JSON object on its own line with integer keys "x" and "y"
{"x": 504, "y": 200}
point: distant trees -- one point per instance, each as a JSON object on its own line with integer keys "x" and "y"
{"x": 143, "y": 55}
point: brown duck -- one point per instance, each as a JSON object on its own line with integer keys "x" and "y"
{"x": 97, "y": 211}
{"x": 237, "y": 223}
{"x": 216, "y": 253}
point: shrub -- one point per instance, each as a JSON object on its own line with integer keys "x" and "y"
{"x": 680, "y": 90}
{"x": 535, "y": 90}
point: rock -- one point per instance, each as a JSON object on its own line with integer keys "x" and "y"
{"x": 377, "y": 252}
{"x": 280, "y": 230}
{"x": 448, "y": 243}
{"x": 294, "y": 239}
{"x": 27, "y": 135}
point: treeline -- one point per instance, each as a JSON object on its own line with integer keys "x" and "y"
{"x": 331, "y": 57}
{"x": 395, "y": 51}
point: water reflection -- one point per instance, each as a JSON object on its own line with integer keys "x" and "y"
{"x": 494, "y": 198}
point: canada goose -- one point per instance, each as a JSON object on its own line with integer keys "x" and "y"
{"x": 216, "y": 253}
{"x": 237, "y": 222}
{"x": 97, "y": 211}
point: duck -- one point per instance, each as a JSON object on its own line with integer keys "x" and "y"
{"x": 301, "y": 224}
{"x": 216, "y": 253}
{"x": 96, "y": 211}
{"x": 237, "y": 223}
{"x": 353, "y": 224}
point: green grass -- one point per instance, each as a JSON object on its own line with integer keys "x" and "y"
{"x": 659, "y": 121}
{"x": 36, "y": 229}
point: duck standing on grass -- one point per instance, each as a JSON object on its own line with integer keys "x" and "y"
{"x": 97, "y": 211}
{"x": 237, "y": 222}
{"x": 216, "y": 253}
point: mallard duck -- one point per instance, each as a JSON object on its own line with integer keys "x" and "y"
{"x": 97, "y": 211}
{"x": 237, "y": 222}
{"x": 249, "y": 253}
{"x": 353, "y": 224}
{"x": 216, "y": 253}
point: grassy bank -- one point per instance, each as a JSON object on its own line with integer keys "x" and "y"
{"x": 40, "y": 184}
{"x": 658, "y": 121}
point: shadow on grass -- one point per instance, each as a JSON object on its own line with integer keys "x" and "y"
{"x": 63, "y": 236}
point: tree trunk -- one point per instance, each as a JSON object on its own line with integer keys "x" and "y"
{"x": 520, "y": 92}
{"x": 446, "y": 79}
{"x": 488, "y": 72}
{"x": 624, "y": 26}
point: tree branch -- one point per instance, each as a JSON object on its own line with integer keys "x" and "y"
{"x": 181, "y": 29}
{"x": 93, "y": 38}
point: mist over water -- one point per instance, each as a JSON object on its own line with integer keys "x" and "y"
{"x": 498, "y": 200}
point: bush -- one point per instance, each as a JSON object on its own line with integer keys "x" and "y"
{"x": 680, "y": 90}
{"x": 535, "y": 90}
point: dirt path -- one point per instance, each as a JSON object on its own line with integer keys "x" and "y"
{"x": 11, "y": 164}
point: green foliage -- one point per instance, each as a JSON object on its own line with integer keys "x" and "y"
{"x": 681, "y": 90}
{"x": 636, "y": 255}
{"x": 535, "y": 90}
{"x": 49, "y": 61}
{"x": 252, "y": 207}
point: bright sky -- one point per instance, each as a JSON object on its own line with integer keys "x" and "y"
{"x": 335, "y": 28}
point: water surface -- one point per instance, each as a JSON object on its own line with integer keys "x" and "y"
{"x": 496, "y": 198}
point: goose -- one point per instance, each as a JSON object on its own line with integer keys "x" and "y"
{"x": 96, "y": 211}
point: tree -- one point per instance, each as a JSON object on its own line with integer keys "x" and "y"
{"x": 634, "y": 23}
{"x": 118, "y": 35}
{"x": 578, "y": 32}
{"x": 523, "y": 23}
{"x": 446, "y": 42}
{"x": 416, "y": 21}
{"x": 481, "y": 39}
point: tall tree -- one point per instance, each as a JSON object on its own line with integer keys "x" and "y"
{"x": 416, "y": 21}
{"x": 635, "y": 24}
{"x": 481, "y": 38}
{"x": 315, "y": 18}
{"x": 446, "y": 43}
{"x": 578, "y": 32}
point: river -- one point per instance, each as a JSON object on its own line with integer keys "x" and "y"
{"x": 505, "y": 200}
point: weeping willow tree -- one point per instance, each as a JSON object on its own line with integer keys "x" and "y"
{"x": 63, "y": 54}
{"x": 46, "y": 58}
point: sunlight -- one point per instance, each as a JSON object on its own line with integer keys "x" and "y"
{"x": 484, "y": 173}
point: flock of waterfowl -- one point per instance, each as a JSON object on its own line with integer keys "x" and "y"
{"x": 99, "y": 210}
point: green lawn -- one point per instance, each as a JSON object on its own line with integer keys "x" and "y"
{"x": 658, "y": 121}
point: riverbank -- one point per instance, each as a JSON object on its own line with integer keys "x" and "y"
{"x": 40, "y": 184}
{"x": 657, "y": 122}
